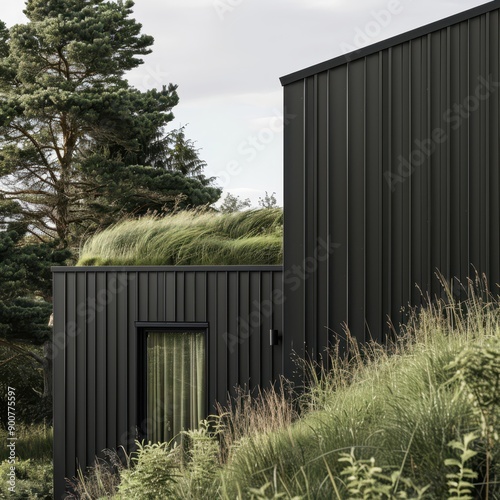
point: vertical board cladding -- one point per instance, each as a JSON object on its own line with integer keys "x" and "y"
{"x": 96, "y": 311}
{"x": 391, "y": 175}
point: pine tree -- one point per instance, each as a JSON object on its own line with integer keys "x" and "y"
{"x": 25, "y": 292}
{"x": 73, "y": 132}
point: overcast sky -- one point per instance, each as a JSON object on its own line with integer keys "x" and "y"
{"x": 226, "y": 56}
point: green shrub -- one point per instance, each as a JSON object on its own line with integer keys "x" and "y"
{"x": 199, "y": 474}
{"x": 33, "y": 480}
{"x": 477, "y": 369}
{"x": 153, "y": 474}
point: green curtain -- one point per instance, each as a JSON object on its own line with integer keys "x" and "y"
{"x": 176, "y": 383}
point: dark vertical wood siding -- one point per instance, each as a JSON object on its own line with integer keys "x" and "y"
{"x": 391, "y": 156}
{"x": 95, "y": 339}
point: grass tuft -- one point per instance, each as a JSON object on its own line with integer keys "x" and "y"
{"x": 34, "y": 442}
{"x": 396, "y": 406}
{"x": 253, "y": 237}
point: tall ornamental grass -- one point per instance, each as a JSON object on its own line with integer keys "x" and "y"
{"x": 253, "y": 237}
{"x": 399, "y": 407}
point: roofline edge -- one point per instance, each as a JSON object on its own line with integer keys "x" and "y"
{"x": 389, "y": 42}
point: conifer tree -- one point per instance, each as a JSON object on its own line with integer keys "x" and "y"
{"x": 74, "y": 135}
{"x": 25, "y": 293}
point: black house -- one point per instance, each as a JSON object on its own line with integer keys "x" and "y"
{"x": 392, "y": 173}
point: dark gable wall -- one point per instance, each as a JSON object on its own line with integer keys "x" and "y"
{"x": 392, "y": 158}
{"x": 95, "y": 342}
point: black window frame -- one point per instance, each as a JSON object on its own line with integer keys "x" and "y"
{"x": 143, "y": 328}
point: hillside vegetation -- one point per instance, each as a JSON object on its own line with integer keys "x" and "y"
{"x": 253, "y": 237}
{"x": 417, "y": 419}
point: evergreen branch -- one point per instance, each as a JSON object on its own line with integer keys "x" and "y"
{"x": 66, "y": 73}
{"x": 37, "y": 236}
{"x": 22, "y": 351}
{"x": 36, "y": 192}
{"x": 37, "y": 147}
{"x": 7, "y": 361}
{"x": 57, "y": 149}
{"x": 40, "y": 178}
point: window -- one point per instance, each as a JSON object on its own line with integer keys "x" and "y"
{"x": 175, "y": 380}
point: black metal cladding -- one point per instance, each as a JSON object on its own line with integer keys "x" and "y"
{"x": 391, "y": 161}
{"x": 97, "y": 313}
{"x": 391, "y": 173}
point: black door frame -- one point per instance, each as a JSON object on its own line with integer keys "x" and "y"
{"x": 142, "y": 327}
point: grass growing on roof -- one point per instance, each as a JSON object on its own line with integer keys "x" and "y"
{"x": 253, "y": 237}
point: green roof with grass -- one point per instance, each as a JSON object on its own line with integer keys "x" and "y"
{"x": 252, "y": 237}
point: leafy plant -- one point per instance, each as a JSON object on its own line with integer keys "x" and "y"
{"x": 477, "y": 368}
{"x": 387, "y": 402}
{"x": 153, "y": 474}
{"x": 460, "y": 487}
{"x": 478, "y": 371}
{"x": 199, "y": 473}
{"x": 33, "y": 480}
{"x": 367, "y": 481}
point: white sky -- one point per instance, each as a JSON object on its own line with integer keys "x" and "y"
{"x": 227, "y": 57}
